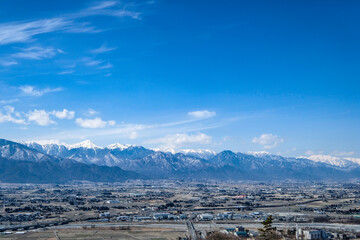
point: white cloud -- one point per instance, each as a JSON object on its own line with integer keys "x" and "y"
{"x": 94, "y": 123}
{"x": 110, "y": 8}
{"x": 181, "y": 139}
{"x": 9, "y": 109}
{"x": 202, "y": 114}
{"x": 310, "y": 152}
{"x": 103, "y": 5}
{"x": 102, "y": 49}
{"x": 10, "y": 115}
{"x": 100, "y": 64}
{"x": 9, "y": 101}
{"x": 91, "y": 112}
{"x": 23, "y": 31}
{"x": 106, "y": 66}
{"x": 8, "y": 62}
{"x": 148, "y": 132}
{"x": 111, "y": 123}
{"x": 64, "y": 114}
{"x": 343, "y": 153}
{"x": 41, "y": 117}
{"x": 268, "y": 140}
{"x": 133, "y": 135}
{"x": 92, "y": 62}
{"x": 35, "y": 53}
{"x": 32, "y": 91}
{"x": 66, "y": 72}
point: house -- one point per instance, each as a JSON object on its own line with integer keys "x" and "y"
{"x": 311, "y": 234}
{"x": 104, "y": 215}
{"x": 241, "y": 234}
{"x": 205, "y": 217}
{"x": 123, "y": 218}
{"x": 162, "y": 216}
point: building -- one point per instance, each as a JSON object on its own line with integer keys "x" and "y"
{"x": 205, "y": 217}
{"x": 164, "y": 216}
{"x": 104, "y": 215}
{"x": 311, "y": 234}
{"x": 123, "y": 218}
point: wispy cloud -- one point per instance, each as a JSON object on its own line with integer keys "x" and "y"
{"x": 202, "y": 114}
{"x": 102, "y": 49}
{"x": 91, "y": 112}
{"x": 66, "y": 72}
{"x": 32, "y": 91}
{"x": 23, "y": 31}
{"x": 343, "y": 153}
{"x": 147, "y": 132}
{"x": 106, "y": 66}
{"x": 103, "y": 5}
{"x": 92, "y": 62}
{"x": 179, "y": 140}
{"x": 94, "y": 123}
{"x": 13, "y": 32}
{"x": 9, "y": 101}
{"x": 7, "y": 62}
{"x": 109, "y": 8}
{"x": 99, "y": 64}
{"x": 35, "y": 53}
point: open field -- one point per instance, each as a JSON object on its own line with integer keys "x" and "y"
{"x": 102, "y": 233}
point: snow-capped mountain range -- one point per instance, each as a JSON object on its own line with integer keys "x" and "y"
{"x": 88, "y": 152}
{"x": 335, "y": 161}
{"x": 128, "y": 157}
{"x": 92, "y": 161}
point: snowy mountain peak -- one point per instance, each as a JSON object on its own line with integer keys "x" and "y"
{"x": 118, "y": 146}
{"x": 335, "y": 161}
{"x": 259, "y": 153}
{"x": 198, "y": 151}
{"x": 84, "y": 144}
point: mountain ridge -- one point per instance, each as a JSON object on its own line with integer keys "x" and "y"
{"x": 136, "y": 161}
{"x": 20, "y": 164}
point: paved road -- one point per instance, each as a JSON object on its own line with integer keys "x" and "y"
{"x": 191, "y": 230}
{"x": 208, "y": 225}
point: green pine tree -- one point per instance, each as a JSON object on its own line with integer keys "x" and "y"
{"x": 268, "y": 232}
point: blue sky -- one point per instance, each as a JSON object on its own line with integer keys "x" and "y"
{"x": 276, "y": 76}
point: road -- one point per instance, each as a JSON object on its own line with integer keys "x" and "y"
{"x": 208, "y": 225}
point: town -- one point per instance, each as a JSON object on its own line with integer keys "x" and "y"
{"x": 179, "y": 209}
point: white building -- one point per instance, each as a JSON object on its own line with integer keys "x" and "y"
{"x": 311, "y": 234}
{"x": 205, "y": 217}
{"x": 104, "y": 215}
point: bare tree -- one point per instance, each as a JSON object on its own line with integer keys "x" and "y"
{"x": 221, "y": 236}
